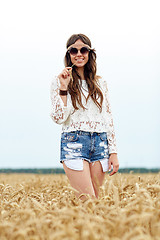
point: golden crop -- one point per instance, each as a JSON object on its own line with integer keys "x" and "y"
{"x": 44, "y": 207}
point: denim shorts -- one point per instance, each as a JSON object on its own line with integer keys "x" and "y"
{"x": 77, "y": 146}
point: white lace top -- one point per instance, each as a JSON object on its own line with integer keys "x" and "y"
{"x": 89, "y": 119}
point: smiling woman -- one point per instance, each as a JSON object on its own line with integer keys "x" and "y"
{"x": 80, "y": 103}
{"x": 84, "y": 68}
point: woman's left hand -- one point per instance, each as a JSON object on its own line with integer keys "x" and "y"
{"x": 113, "y": 161}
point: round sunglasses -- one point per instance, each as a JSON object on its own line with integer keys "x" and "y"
{"x": 73, "y": 51}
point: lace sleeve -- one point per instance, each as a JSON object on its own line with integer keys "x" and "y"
{"x": 111, "y": 133}
{"x": 59, "y": 112}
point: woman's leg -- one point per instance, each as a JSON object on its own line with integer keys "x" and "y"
{"x": 97, "y": 175}
{"x": 80, "y": 180}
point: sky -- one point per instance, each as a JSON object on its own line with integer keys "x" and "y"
{"x": 33, "y": 36}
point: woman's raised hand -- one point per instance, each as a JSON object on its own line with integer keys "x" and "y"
{"x": 64, "y": 78}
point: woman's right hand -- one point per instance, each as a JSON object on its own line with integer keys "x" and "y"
{"x": 64, "y": 78}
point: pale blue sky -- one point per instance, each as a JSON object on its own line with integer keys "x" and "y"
{"x": 126, "y": 36}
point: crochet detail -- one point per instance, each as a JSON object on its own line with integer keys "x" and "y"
{"x": 89, "y": 119}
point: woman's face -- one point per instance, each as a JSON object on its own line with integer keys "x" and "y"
{"x": 79, "y": 60}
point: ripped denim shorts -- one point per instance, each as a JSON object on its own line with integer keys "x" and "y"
{"x": 80, "y": 145}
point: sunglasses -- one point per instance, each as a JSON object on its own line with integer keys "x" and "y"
{"x": 73, "y": 51}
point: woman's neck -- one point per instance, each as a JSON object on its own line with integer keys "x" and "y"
{"x": 81, "y": 72}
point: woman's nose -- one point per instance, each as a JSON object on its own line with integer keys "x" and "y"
{"x": 79, "y": 53}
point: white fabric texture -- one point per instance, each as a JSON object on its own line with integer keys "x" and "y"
{"x": 78, "y": 164}
{"x": 90, "y": 119}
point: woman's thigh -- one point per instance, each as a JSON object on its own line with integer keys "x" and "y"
{"x": 97, "y": 175}
{"x": 80, "y": 180}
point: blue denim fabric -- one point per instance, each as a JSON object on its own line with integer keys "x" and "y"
{"x": 90, "y": 146}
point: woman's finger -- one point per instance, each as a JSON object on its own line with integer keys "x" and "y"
{"x": 68, "y": 68}
{"x": 109, "y": 165}
{"x": 65, "y": 73}
{"x": 115, "y": 169}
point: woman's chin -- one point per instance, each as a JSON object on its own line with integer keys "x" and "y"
{"x": 79, "y": 65}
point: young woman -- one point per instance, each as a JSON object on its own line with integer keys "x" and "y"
{"x": 80, "y": 103}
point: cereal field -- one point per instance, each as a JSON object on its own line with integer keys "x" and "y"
{"x": 43, "y": 207}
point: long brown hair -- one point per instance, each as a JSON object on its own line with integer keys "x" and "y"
{"x": 91, "y": 78}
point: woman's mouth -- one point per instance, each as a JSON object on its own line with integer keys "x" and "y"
{"x": 79, "y": 60}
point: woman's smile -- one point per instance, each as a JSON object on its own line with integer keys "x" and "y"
{"x": 79, "y": 59}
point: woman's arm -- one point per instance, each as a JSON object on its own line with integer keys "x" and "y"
{"x": 113, "y": 159}
{"x": 110, "y": 133}
{"x": 64, "y": 79}
{"x": 60, "y": 106}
